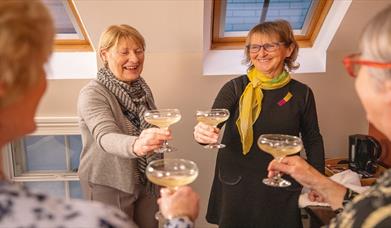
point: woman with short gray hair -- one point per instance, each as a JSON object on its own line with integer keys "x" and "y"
{"x": 372, "y": 70}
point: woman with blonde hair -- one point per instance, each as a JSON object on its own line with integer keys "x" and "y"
{"x": 26, "y": 39}
{"x": 117, "y": 141}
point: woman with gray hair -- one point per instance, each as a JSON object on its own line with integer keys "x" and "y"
{"x": 372, "y": 70}
{"x": 26, "y": 41}
{"x": 117, "y": 141}
{"x": 266, "y": 100}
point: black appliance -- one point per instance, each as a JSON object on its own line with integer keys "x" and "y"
{"x": 364, "y": 153}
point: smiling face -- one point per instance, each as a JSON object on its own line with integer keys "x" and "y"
{"x": 269, "y": 63}
{"x": 125, "y": 60}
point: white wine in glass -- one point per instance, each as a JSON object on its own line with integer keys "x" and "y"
{"x": 171, "y": 173}
{"x": 213, "y": 117}
{"x": 163, "y": 118}
{"x": 279, "y": 146}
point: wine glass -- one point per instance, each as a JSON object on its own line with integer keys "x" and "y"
{"x": 213, "y": 117}
{"x": 171, "y": 173}
{"x": 163, "y": 118}
{"x": 279, "y": 146}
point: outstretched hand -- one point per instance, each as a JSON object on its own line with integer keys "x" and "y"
{"x": 149, "y": 140}
{"x": 206, "y": 134}
{"x": 326, "y": 189}
{"x": 296, "y": 167}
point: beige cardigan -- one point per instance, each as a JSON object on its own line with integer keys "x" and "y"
{"x": 107, "y": 157}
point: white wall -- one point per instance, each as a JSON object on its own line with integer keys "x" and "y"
{"x": 173, "y": 32}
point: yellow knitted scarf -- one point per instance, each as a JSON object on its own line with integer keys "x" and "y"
{"x": 250, "y": 103}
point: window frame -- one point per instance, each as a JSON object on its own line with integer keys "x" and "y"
{"x": 229, "y": 43}
{"x": 45, "y": 126}
{"x": 67, "y": 45}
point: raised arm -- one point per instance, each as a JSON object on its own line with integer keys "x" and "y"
{"x": 295, "y": 166}
{"x": 100, "y": 120}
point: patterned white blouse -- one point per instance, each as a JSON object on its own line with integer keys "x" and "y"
{"x": 21, "y": 208}
{"x": 369, "y": 209}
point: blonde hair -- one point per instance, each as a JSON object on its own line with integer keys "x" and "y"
{"x": 26, "y": 39}
{"x": 283, "y": 30}
{"x": 376, "y": 43}
{"x": 111, "y": 36}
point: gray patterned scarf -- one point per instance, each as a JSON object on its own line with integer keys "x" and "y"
{"x": 134, "y": 99}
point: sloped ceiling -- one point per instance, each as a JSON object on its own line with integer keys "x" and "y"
{"x": 167, "y": 25}
{"x": 176, "y": 32}
{"x": 360, "y": 11}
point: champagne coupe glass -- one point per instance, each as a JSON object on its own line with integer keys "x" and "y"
{"x": 171, "y": 173}
{"x": 163, "y": 118}
{"x": 213, "y": 117}
{"x": 279, "y": 146}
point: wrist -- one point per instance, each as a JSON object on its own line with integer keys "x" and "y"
{"x": 179, "y": 221}
{"x": 332, "y": 192}
{"x": 349, "y": 195}
{"x": 134, "y": 148}
{"x": 191, "y": 218}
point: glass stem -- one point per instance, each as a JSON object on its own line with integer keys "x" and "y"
{"x": 278, "y": 176}
{"x": 216, "y": 143}
{"x": 165, "y": 143}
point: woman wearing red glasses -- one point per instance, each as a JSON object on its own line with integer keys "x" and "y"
{"x": 267, "y": 100}
{"x": 373, "y": 85}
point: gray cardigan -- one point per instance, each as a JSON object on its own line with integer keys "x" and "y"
{"x": 107, "y": 157}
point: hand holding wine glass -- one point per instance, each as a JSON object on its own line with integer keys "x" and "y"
{"x": 171, "y": 173}
{"x": 150, "y": 139}
{"x": 163, "y": 118}
{"x": 183, "y": 202}
{"x": 209, "y": 118}
{"x": 279, "y": 146}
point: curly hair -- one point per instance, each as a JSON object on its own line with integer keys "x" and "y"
{"x": 26, "y": 40}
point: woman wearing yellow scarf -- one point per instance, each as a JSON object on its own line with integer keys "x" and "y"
{"x": 266, "y": 100}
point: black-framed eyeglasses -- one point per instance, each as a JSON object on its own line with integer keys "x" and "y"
{"x": 269, "y": 47}
{"x": 353, "y": 64}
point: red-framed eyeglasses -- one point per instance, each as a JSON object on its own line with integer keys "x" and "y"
{"x": 353, "y": 63}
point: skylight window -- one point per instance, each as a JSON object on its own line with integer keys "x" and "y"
{"x": 70, "y": 32}
{"x": 242, "y": 15}
{"x": 232, "y": 19}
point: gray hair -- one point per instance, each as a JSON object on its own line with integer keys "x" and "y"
{"x": 375, "y": 43}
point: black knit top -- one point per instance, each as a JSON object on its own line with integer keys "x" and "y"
{"x": 238, "y": 197}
